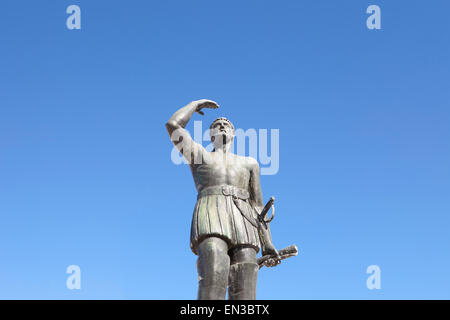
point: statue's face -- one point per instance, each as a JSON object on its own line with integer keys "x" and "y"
{"x": 221, "y": 133}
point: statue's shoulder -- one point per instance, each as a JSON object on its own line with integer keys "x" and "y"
{"x": 249, "y": 161}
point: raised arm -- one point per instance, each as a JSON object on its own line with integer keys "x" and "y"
{"x": 179, "y": 136}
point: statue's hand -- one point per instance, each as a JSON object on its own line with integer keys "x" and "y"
{"x": 272, "y": 262}
{"x": 204, "y": 103}
{"x": 274, "y": 256}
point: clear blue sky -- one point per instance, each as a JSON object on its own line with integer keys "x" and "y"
{"x": 85, "y": 170}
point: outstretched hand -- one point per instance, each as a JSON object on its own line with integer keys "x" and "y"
{"x": 204, "y": 103}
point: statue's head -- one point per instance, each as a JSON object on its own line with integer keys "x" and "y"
{"x": 221, "y": 132}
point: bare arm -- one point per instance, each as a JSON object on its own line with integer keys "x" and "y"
{"x": 256, "y": 200}
{"x": 256, "y": 197}
{"x": 179, "y": 136}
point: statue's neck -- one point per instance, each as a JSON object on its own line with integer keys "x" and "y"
{"x": 223, "y": 149}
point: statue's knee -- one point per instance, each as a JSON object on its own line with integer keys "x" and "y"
{"x": 243, "y": 274}
{"x": 213, "y": 262}
{"x": 243, "y": 255}
{"x": 242, "y": 281}
{"x": 213, "y": 248}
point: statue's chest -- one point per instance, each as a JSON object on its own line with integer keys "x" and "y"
{"x": 230, "y": 169}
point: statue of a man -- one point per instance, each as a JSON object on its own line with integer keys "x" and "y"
{"x": 224, "y": 230}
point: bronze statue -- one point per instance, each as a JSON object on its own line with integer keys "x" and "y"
{"x": 229, "y": 224}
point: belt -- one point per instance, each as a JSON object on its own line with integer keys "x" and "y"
{"x": 236, "y": 193}
{"x": 225, "y": 190}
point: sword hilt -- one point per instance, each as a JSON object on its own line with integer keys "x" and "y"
{"x": 266, "y": 209}
{"x": 284, "y": 253}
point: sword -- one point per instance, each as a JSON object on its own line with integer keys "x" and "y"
{"x": 284, "y": 253}
{"x": 291, "y": 251}
{"x": 265, "y": 210}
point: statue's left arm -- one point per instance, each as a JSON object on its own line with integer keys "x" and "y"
{"x": 256, "y": 201}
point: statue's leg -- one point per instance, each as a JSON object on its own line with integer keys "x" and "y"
{"x": 243, "y": 274}
{"x": 213, "y": 265}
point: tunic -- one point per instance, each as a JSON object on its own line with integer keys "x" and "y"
{"x": 216, "y": 215}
